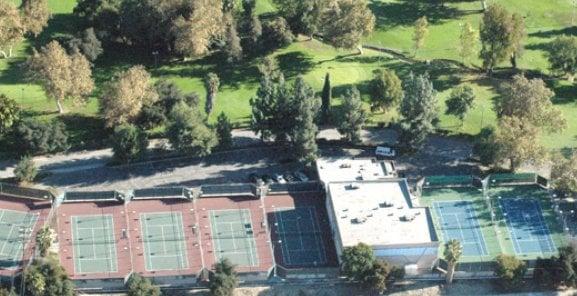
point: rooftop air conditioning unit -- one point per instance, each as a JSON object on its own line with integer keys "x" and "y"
{"x": 353, "y": 186}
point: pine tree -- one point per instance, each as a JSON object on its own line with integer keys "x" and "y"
{"x": 354, "y": 116}
{"x": 305, "y": 130}
{"x": 211, "y": 83}
{"x": 232, "y": 47}
{"x": 326, "y": 99}
{"x": 223, "y": 130}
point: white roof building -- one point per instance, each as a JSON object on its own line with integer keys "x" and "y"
{"x": 347, "y": 169}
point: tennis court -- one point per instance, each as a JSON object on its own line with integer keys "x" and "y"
{"x": 164, "y": 241}
{"x": 233, "y": 236}
{"x": 94, "y": 244}
{"x": 300, "y": 237}
{"x": 528, "y": 230}
{"x": 15, "y": 230}
{"x": 458, "y": 220}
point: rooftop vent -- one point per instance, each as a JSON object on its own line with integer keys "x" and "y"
{"x": 359, "y": 220}
{"x": 345, "y": 166}
{"x": 352, "y": 186}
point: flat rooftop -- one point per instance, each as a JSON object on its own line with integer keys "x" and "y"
{"x": 378, "y": 213}
{"x": 348, "y": 169}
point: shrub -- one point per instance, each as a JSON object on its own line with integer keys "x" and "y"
{"x": 277, "y": 34}
{"x": 510, "y": 271}
{"x": 25, "y": 170}
{"x": 128, "y": 143}
{"x": 151, "y": 117}
{"x": 35, "y": 137}
{"x": 139, "y": 286}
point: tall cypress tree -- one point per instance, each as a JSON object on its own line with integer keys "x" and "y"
{"x": 304, "y": 131}
{"x": 326, "y": 100}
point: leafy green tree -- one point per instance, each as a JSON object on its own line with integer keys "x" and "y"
{"x": 26, "y": 170}
{"x": 452, "y": 254}
{"x": 357, "y": 262}
{"x": 304, "y": 16}
{"x": 386, "y": 90}
{"x": 419, "y": 112}
{"x": 6, "y": 292}
{"x": 141, "y": 286}
{"x": 518, "y": 142}
{"x": 382, "y": 275}
{"x": 546, "y": 273}
{"x": 253, "y": 32}
{"x": 47, "y": 278}
{"x": 421, "y": 32}
{"x": 467, "y": 41}
{"x": 211, "y": 83}
{"x": 501, "y": 35}
{"x": 169, "y": 95}
{"x": 562, "y": 56}
{"x": 530, "y": 101}
{"x": 564, "y": 173}
{"x": 345, "y": 22}
{"x": 272, "y": 108}
{"x": 224, "y": 279}
{"x": 129, "y": 143}
{"x": 510, "y": 271}
{"x": 566, "y": 265}
{"x": 232, "y": 48}
{"x": 276, "y": 33}
{"x": 486, "y": 147}
{"x": 35, "y": 137}
{"x": 326, "y": 98}
{"x": 305, "y": 130}
{"x": 102, "y": 15}
{"x": 35, "y": 15}
{"x": 151, "y": 116}
{"x": 44, "y": 241}
{"x": 188, "y": 132}
{"x": 9, "y": 113}
{"x": 224, "y": 131}
{"x": 87, "y": 44}
{"x": 461, "y": 100}
{"x": 353, "y": 116}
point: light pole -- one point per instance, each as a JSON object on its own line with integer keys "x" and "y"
{"x": 155, "y": 54}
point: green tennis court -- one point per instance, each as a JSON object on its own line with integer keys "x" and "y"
{"x": 164, "y": 241}
{"x": 15, "y": 230}
{"x": 233, "y": 236}
{"x": 94, "y": 244}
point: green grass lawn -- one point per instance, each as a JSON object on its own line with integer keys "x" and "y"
{"x": 313, "y": 60}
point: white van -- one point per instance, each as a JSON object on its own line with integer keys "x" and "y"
{"x": 385, "y": 151}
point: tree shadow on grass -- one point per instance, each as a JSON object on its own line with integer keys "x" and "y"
{"x": 14, "y": 72}
{"x": 85, "y": 132}
{"x": 564, "y": 94}
{"x": 295, "y": 63}
{"x": 554, "y": 33}
{"x": 406, "y": 12}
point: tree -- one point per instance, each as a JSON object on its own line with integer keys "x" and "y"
{"x": 305, "y": 130}
{"x": 382, "y": 275}
{"x": 26, "y": 170}
{"x": 386, "y": 90}
{"x": 188, "y": 133}
{"x": 326, "y": 97}
{"x": 419, "y": 112}
{"x": 87, "y": 44}
{"x": 9, "y": 113}
{"x": 224, "y": 279}
{"x": 211, "y": 83}
{"x": 546, "y": 273}
{"x": 530, "y": 101}
{"x": 304, "y": 16}
{"x": 125, "y": 95}
{"x": 223, "y": 130}
{"x": 62, "y": 76}
{"x": 467, "y": 41}
{"x": 35, "y": 137}
{"x": 501, "y": 36}
{"x": 421, "y": 32}
{"x": 357, "y": 262}
{"x": 47, "y": 278}
{"x": 276, "y": 34}
{"x": 452, "y": 254}
{"x": 272, "y": 109}
{"x": 566, "y": 266}
{"x": 253, "y": 33}
{"x": 6, "y": 292}
{"x": 518, "y": 142}
{"x": 44, "y": 241}
{"x": 141, "y": 286}
{"x": 232, "y": 47}
{"x": 460, "y": 102}
{"x": 354, "y": 116}
{"x": 35, "y": 15}
{"x": 486, "y": 147}
{"x": 510, "y": 271}
{"x": 194, "y": 34}
{"x": 129, "y": 143}
{"x": 12, "y": 28}
{"x": 564, "y": 173}
{"x": 345, "y": 23}
{"x": 102, "y": 15}
{"x": 562, "y": 56}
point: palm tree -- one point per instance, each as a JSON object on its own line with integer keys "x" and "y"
{"x": 452, "y": 253}
{"x": 43, "y": 241}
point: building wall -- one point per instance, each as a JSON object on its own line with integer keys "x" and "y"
{"x": 422, "y": 255}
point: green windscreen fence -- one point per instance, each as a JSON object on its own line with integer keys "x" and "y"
{"x": 511, "y": 178}
{"x": 448, "y": 181}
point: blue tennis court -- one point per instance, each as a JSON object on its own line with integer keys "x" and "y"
{"x": 529, "y": 233}
{"x": 458, "y": 220}
{"x": 300, "y": 237}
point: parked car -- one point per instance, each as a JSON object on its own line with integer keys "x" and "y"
{"x": 254, "y": 178}
{"x": 301, "y": 176}
{"x": 385, "y": 151}
{"x": 278, "y": 178}
{"x": 289, "y": 177}
{"x": 267, "y": 179}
